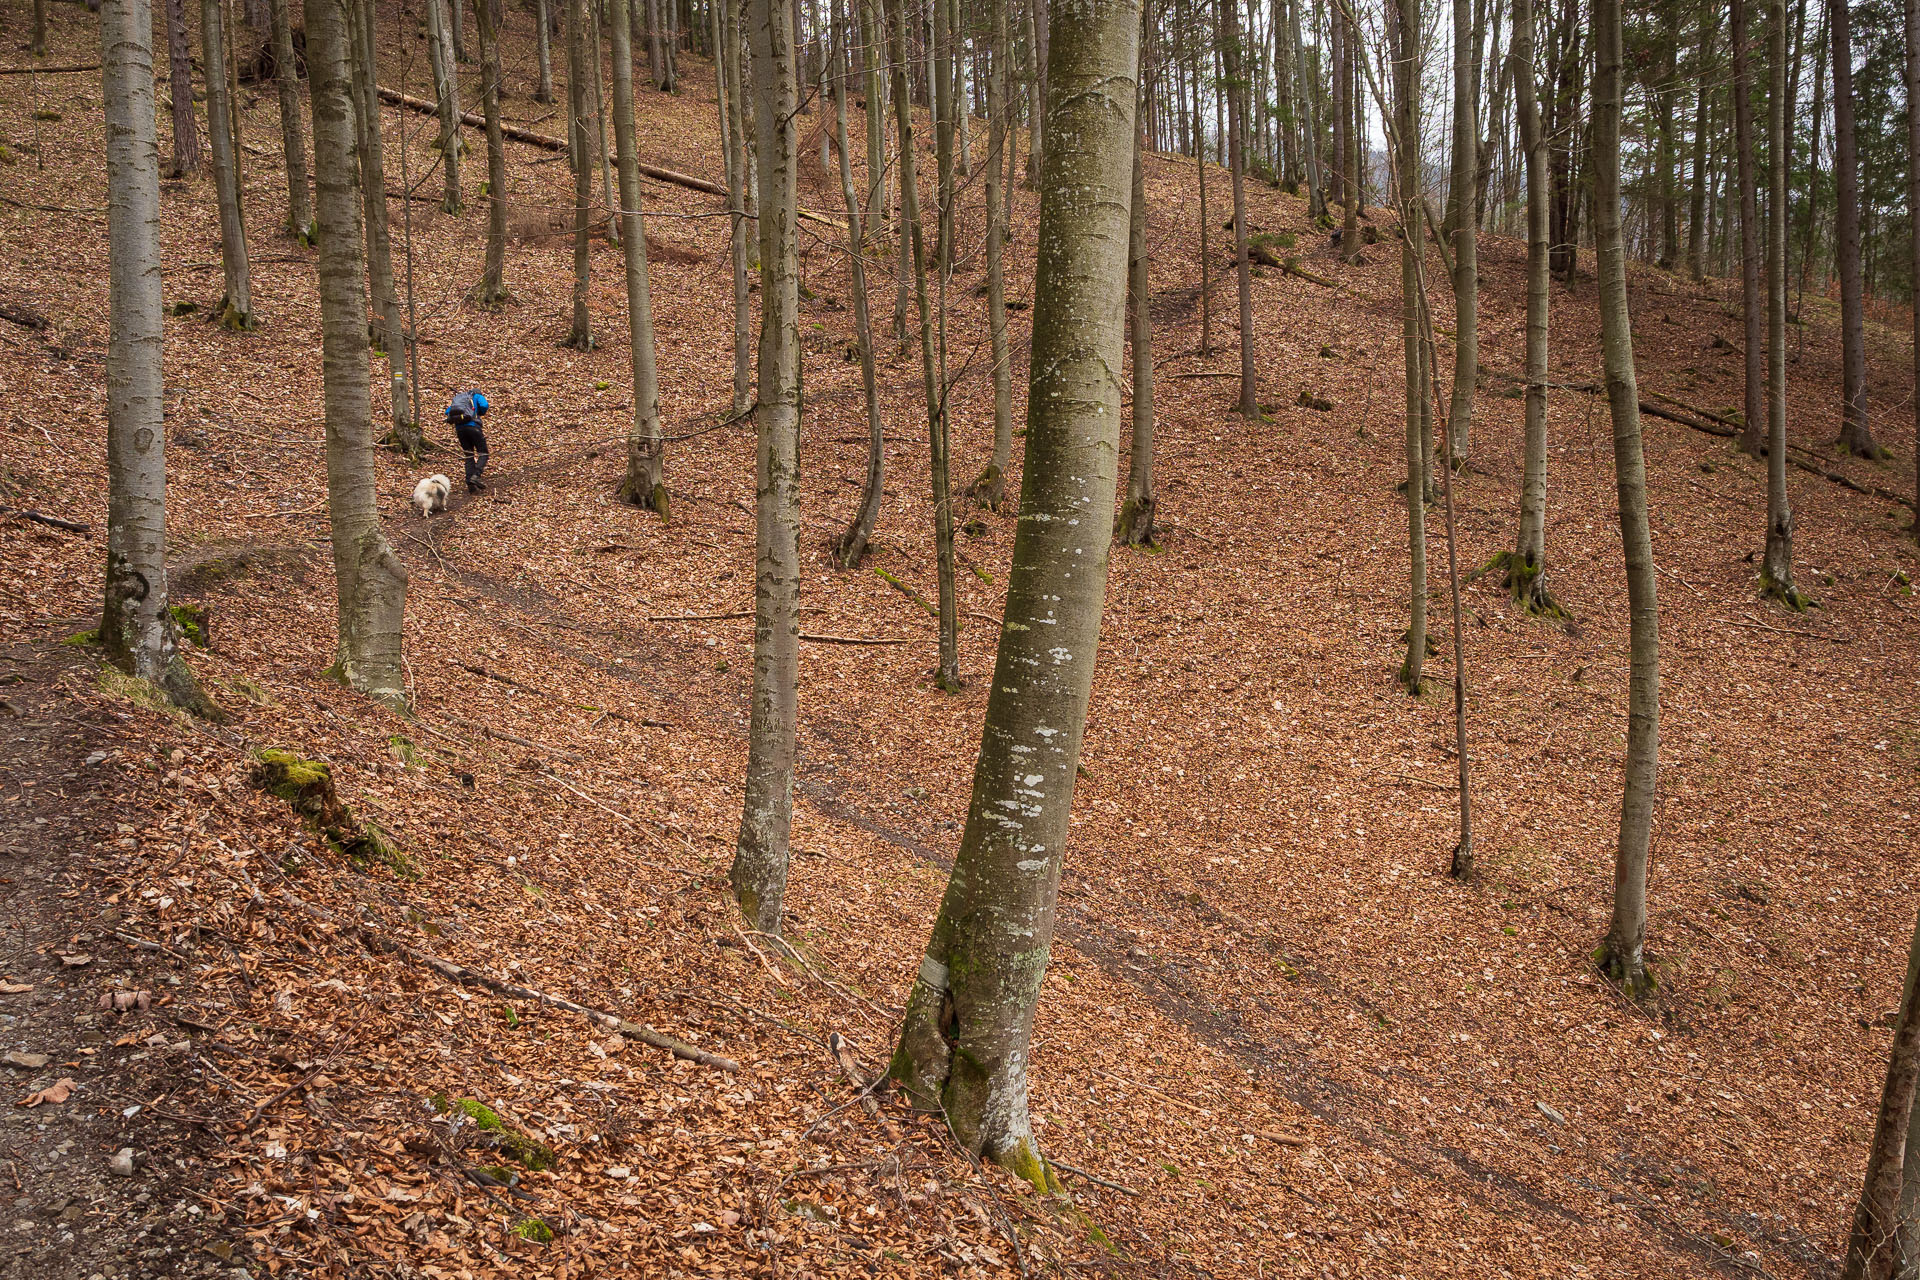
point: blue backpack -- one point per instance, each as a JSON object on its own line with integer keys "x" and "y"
{"x": 467, "y": 406}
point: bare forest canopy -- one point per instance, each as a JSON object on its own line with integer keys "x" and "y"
{"x": 885, "y": 637}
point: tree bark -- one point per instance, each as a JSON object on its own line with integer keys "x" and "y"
{"x": 759, "y": 875}
{"x": 493, "y": 288}
{"x": 1407, "y": 66}
{"x": 580, "y": 156}
{"x": 1461, "y": 222}
{"x": 989, "y": 489}
{"x": 457, "y": 31}
{"x": 1037, "y": 18}
{"x": 1856, "y": 432}
{"x": 446, "y": 92}
{"x": 235, "y": 310}
{"x": 1249, "y": 403}
{"x": 1776, "y": 569}
{"x": 1912, "y": 69}
{"x": 1697, "y": 212}
{"x": 1134, "y": 525}
{"x": 136, "y": 626}
{"x": 1883, "y": 1222}
{"x": 963, "y": 1048}
{"x": 1309, "y": 95}
{"x": 741, "y": 202}
{"x": 373, "y": 192}
{"x": 851, "y": 546}
{"x": 1527, "y": 570}
{"x": 1750, "y": 267}
{"x": 1206, "y": 264}
{"x": 543, "y": 47}
{"x": 1623, "y": 953}
{"x": 645, "y": 483}
{"x": 286, "y": 77}
{"x": 372, "y": 583}
{"x": 186, "y": 130}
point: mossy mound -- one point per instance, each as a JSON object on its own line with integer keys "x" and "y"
{"x": 307, "y": 786}
{"x": 515, "y": 1146}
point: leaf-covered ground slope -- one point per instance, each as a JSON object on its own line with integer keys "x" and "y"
{"x": 1271, "y": 1018}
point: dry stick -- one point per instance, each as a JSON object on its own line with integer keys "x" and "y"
{"x": 1754, "y": 623}
{"x": 516, "y": 739}
{"x": 859, "y": 640}
{"x": 269, "y": 1103}
{"x": 1084, "y": 1176}
{"x": 71, "y": 526}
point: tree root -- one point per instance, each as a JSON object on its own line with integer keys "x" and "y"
{"x": 1527, "y": 583}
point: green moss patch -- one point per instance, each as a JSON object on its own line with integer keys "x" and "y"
{"x": 307, "y": 786}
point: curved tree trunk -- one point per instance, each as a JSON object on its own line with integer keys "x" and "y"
{"x": 1527, "y": 570}
{"x": 372, "y": 583}
{"x": 1623, "y": 953}
{"x": 236, "y": 307}
{"x": 1750, "y": 304}
{"x": 286, "y": 78}
{"x": 136, "y": 627}
{"x": 963, "y": 1047}
{"x": 646, "y": 482}
{"x": 1856, "y": 432}
{"x": 1134, "y": 525}
{"x": 759, "y": 874}
{"x": 580, "y": 156}
{"x": 373, "y": 183}
{"x": 1776, "y": 569}
{"x": 1461, "y": 222}
{"x": 493, "y": 288}
{"x": 851, "y": 546}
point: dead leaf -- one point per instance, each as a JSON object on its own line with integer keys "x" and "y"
{"x": 14, "y": 988}
{"x": 57, "y": 1092}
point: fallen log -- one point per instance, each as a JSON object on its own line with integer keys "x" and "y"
{"x": 52, "y": 69}
{"x": 547, "y": 142}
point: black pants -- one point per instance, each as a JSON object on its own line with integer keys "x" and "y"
{"x": 473, "y": 445}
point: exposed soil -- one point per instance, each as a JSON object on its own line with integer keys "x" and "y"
{"x": 1270, "y": 1017}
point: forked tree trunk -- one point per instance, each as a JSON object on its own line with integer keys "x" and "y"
{"x": 236, "y": 307}
{"x": 446, "y": 90}
{"x": 543, "y": 50}
{"x": 1461, "y": 222}
{"x": 580, "y": 156}
{"x": 136, "y": 627}
{"x": 963, "y": 1047}
{"x": 1134, "y": 525}
{"x": 373, "y": 192}
{"x": 646, "y": 481}
{"x": 286, "y": 78}
{"x": 759, "y": 874}
{"x": 1754, "y": 403}
{"x": 1776, "y": 568}
{"x": 1856, "y": 432}
{"x": 1249, "y": 402}
{"x": 1624, "y": 951}
{"x": 186, "y": 131}
{"x": 1883, "y": 1226}
{"x": 372, "y": 583}
{"x": 493, "y": 287}
{"x": 851, "y": 546}
{"x": 990, "y": 488}
{"x": 1527, "y": 569}
{"x": 1406, "y": 80}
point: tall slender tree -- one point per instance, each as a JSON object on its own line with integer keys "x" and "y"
{"x": 740, "y": 204}
{"x": 543, "y": 49}
{"x": 1134, "y": 525}
{"x": 646, "y": 481}
{"x": 371, "y": 581}
{"x": 1754, "y": 403}
{"x": 989, "y": 489}
{"x": 493, "y": 287}
{"x": 446, "y": 91}
{"x": 1407, "y": 47}
{"x": 286, "y": 78}
{"x": 1856, "y": 431}
{"x": 1912, "y": 69}
{"x": 963, "y": 1047}
{"x": 1461, "y": 203}
{"x": 235, "y": 310}
{"x": 759, "y": 875}
{"x": 580, "y": 156}
{"x": 1776, "y": 568}
{"x": 186, "y": 130}
{"x": 1699, "y": 182}
{"x": 1231, "y": 51}
{"x": 136, "y": 626}
{"x": 1623, "y": 954}
{"x": 852, "y": 543}
{"x": 371, "y": 154}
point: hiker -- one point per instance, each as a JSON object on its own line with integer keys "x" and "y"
{"x": 465, "y": 413}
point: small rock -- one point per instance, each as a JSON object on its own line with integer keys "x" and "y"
{"x": 74, "y": 961}
{"x": 26, "y": 1061}
{"x": 1549, "y": 1113}
{"x": 619, "y": 1172}
{"x": 120, "y": 1165}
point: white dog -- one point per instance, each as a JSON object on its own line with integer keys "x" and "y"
{"x": 430, "y": 495}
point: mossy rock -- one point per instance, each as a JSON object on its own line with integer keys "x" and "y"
{"x": 195, "y": 625}
{"x": 533, "y": 1229}
{"x": 305, "y": 784}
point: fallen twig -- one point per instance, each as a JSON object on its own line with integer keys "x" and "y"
{"x": 866, "y": 640}
{"x": 1755, "y": 624}
{"x": 71, "y": 526}
{"x": 1084, "y": 1176}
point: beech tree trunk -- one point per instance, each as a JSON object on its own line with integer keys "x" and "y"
{"x": 1883, "y": 1219}
{"x": 1624, "y": 951}
{"x": 186, "y": 131}
{"x": 372, "y": 583}
{"x": 759, "y": 875}
{"x": 493, "y": 288}
{"x": 1309, "y": 99}
{"x": 1461, "y": 222}
{"x": 286, "y": 78}
{"x": 1776, "y": 569}
{"x": 1856, "y": 432}
{"x": 136, "y": 626}
{"x": 1134, "y": 525}
{"x": 1750, "y": 303}
{"x": 1407, "y": 63}
{"x": 446, "y": 89}
{"x": 1037, "y": 114}
{"x": 235, "y": 310}
{"x": 1249, "y": 403}
{"x": 580, "y": 156}
{"x": 543, "y": 47}
{"x": 851, "y": 546}
{"x": 989, "y": 489}
{"x": 740, "y": 199}
{"x": 1527, "y": 570}
{"x": 373, "y": 192}
{"x": 645, "y": 483}
{"x": 963, "y": 1047}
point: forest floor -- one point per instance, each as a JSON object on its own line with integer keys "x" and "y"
{"x": 1283, "y": 1041}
